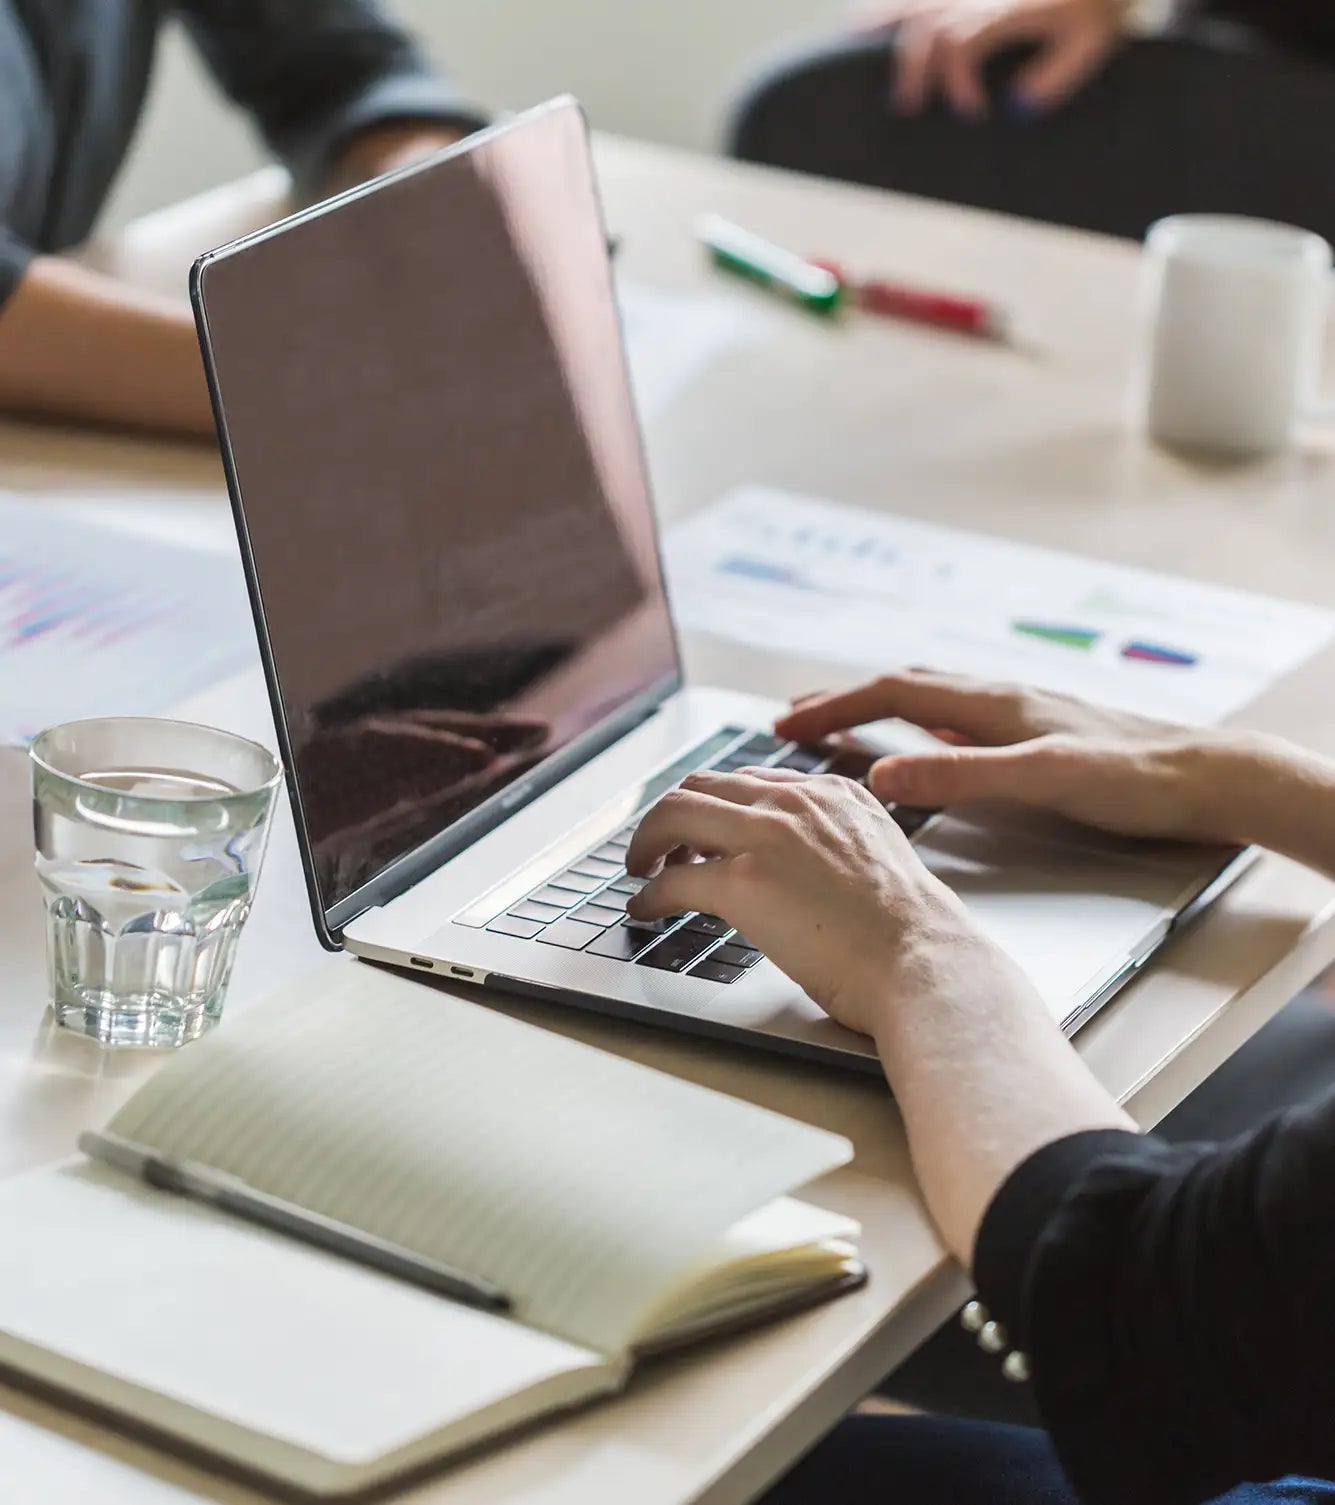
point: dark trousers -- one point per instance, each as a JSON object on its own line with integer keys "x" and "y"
{"x": 1216, "y": 121}
{"x": 929, "y": 1460}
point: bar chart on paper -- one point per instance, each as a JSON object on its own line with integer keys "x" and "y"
{"x": 798, "y": 575}
{"x": 95, "y": 621}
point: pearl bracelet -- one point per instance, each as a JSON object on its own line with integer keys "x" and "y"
{"x": 992, "y": 1339}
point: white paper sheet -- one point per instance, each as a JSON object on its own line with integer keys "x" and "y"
{"x": 799, "y": 575}
{"x": 672, "y": 338}
{"x": 104, "y": 621}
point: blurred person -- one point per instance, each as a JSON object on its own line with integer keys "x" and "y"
{"x": 941, "y": 46}
{"x": 338, "y": 92}
{"x": 1101, "y": 114}
{"x": 1169, "y": 1306}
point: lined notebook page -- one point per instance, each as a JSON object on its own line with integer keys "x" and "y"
{"x": 578, "y": 1182}
{"x": 250, "y": 1343}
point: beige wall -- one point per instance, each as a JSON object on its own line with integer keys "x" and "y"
{"x": 664, "y": 69}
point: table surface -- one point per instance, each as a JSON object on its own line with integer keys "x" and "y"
{"x": 1031, "y": 443}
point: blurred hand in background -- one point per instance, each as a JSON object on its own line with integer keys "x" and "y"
{"x": 941, "y": 47}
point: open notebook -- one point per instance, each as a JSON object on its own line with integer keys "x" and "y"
{"x": 621, "y": 1209}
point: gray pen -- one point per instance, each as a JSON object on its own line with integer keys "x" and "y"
{"x": 188, "y": 1178}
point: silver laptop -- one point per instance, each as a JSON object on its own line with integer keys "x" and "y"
{"x": 441, "y": 496}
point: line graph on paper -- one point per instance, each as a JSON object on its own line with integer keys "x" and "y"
{"x": 95, "y": 621}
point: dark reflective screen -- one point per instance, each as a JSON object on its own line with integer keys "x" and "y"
{"x": 442, "y": 483}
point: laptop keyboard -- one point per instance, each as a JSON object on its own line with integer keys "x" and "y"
{"x": 583, "y": 907}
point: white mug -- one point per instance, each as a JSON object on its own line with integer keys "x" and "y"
{"x": 1236, "y": 312}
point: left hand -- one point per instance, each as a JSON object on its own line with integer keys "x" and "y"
{"x": 387, "y": 147}
{"x": 813, "y": 871}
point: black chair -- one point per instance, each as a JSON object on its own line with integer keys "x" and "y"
{"x": 1208, "y": 120}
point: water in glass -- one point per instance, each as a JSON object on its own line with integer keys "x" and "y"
{"x": 147, "y": 874}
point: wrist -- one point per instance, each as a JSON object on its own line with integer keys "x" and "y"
{"x": 1284, "y": 798}
{"x": 387, "y": 145}
{"x": 943, "y": 970}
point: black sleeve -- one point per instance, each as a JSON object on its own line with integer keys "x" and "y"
{"x": 315, "y": 72}
{"x": 1177, "y": 1305}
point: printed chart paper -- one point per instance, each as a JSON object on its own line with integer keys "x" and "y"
{"x": 798, "y": 575}
{"x": 101, "y": 621}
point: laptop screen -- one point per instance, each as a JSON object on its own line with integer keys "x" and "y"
{"x": 438, "y": 467}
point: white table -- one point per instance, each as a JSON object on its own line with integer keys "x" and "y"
{"x": 1030, "y": 444}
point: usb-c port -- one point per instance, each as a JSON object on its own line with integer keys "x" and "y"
{"x": 462, "y": 971}
{"x": 418, "y": 961}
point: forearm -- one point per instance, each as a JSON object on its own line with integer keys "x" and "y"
{"x": 315, "y": 75}
{"x": 1286, "y": 803}
{"x": 983, "y": 1078}
{"x": 74, "y": 344}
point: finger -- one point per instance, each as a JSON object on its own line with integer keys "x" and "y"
{"x": 696, "y": 886}
{"x": 982, "y": 713}
{"x": 1059, "y": 71}
{"x": 744, "y": 786}
{"x": 913, "y": 64}
{"x": 800, "y": 700}
{"x": 961, "y": 81}
{"x": 687, "y": 818}
{"x": 773, "y": 776}
{"x": 934, "y": 780}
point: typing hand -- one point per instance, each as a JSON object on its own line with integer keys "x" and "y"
{"x": 815, "y": 873}
{"x": 941, "y": 47}
{"x": 1106, "y": 768}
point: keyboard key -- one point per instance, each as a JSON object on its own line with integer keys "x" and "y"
{"x": 570, "y": 934}
{"x": 741, "y": 940}
{"x": 509, "y": 925}
{"x": 610, "y": 899}
{"x": 736, "y": 956}
{"x": 760, "y": 747}
{"x": 530, "y": 909}
{"x": 655, "y": 927}
{"x": 709, "y": 924}
{"x": 576, "y": 881}
{"x": 614, "y": 851}
{"x": 676, "y": 952}
{"x": 622, "y": 944}
{"x": 803, "y": 759}
{"x": 851, "y": 764}
{"x": 595, "y": 914}
{"x": 713, "y": 971}
{"x": 623, "y": 836}
{"x": 734, "y": 761}
{"x": 628, "y": 885}
{"x": 910, "y": 819}
{"x": 556, "y": 898}
{"x": 594, "y": 867}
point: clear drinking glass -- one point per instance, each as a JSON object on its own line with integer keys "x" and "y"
{"x": 149, "y": 837}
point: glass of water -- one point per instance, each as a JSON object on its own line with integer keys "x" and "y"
{"x": 149, "y": 840}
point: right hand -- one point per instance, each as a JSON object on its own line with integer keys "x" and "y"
{"x": 942, "y": 44}
{"x": 1104, "y": 768}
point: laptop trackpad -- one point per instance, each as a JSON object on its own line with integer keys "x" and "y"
{"x": 1069, "y": 906}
